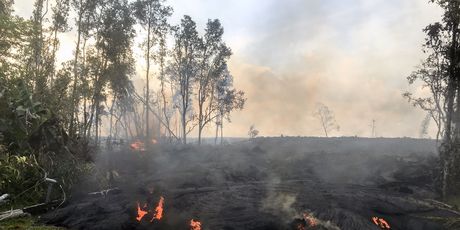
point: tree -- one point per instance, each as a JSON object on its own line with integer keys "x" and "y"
{"x": 326, "y": 118}
{"x": 183, "y": 71}
{"x": 38, "y": 49}
{"x": 59, "y": 25}
{"x": 112, "y": 61}
{"x": 431, "y": 74}
{"x": 152, "y": 16}
{"x": 14, "y": 39}
{"x": 86, "y": 10}
{"x": 440, "y": 73}
{"x": 227, "y": 99}
{"x": 212, "y": 63}
{"x": 253, "y": 132}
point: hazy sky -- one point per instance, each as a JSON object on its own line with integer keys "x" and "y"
{"x": 351, "y": 55}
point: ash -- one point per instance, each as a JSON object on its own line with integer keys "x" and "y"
{"x": 266, "y": 183}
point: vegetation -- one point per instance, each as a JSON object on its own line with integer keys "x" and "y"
{"x": 440, "y": 73}
{"x": 26, "y": 223}
{"x": 53, "y": 112}
{"x": 253, "y": 132}
{"x": 326, "y": 118}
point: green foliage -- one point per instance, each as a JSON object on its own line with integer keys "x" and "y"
{"x": 19, "y": 173}
{"x": 21, "y": 117}
{"x": 25, "y": 160}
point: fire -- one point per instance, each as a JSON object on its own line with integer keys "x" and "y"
{"x": 158, "y": 210}
{"x": 157, "y": 214}
{"x": 310, "y": 219}
{"x": 138, "y": 145}
{"x": 195, "y": 225}
{"x": 154, "y": 141}
{"x": 382, "y": 223}
{"x": 140, "y": 213}
{"x": 300, "y": 227}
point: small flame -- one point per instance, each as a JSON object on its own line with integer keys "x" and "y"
{"x": 154, "y": 141}
{"x": 195, "y": 225}
{"x": 382, "y": 223}
{"x": 158, "y": 210}
{"x": 138, "y": 145}
{"x": 310, "y": 219}
{"x": 140, "y": 213}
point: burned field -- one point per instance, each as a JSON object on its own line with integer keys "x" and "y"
{"x": 268, "y": 183}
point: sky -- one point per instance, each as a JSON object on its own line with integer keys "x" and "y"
{"x": 351, "y": 55}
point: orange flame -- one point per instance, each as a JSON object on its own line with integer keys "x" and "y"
{"x": 310, "y": 219}
{"x": 195, "y": 225}
{"x": 138, "y": 145}
{"x": 158, "y": 210}
{"x": 140, "y": 213}
{"x": 382, "y": 223}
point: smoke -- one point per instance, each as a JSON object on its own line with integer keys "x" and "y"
{"x": 352, "y": 56}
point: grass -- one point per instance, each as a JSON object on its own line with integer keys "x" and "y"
{"x": 25, "y": 223}
{"x": 451, "y": 223}
{"x": 454, "y": 201}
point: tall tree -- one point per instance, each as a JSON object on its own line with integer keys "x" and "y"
{"x": 152, "y": 16}
{"x": 183, "y": 70}
{"x": 441, "y": 73}
{"x": 59, "y": 25}
{"x": 116, "y": 64}
{"x": 85, "y": 10}
{"x": 38, "y": 49}
{"x": 212, "y": 63}
{"x": 227, "y": 99}
{"x": 14, "y": 39}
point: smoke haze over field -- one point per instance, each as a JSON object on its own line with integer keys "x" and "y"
{"x": 352, "y": 55}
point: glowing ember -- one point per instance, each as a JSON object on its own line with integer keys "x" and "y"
{"x": 140, "y": 213}
{"x": 310, "y": 219}
{"x": 382, "y": 223}
{"x": 195, "y": 225}
{"x": 138, "y": 145}
{"x": 158, "y": 210}
{"x": 300, "y": 227}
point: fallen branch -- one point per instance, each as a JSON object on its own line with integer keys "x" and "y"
{"x": 3, "y": 198}
{"x": 16, "y": 213}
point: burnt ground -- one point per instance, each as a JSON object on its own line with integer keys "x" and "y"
{"x": 267, "y": 183}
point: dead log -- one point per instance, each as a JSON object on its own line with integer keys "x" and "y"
{"x": 16, "y": 213}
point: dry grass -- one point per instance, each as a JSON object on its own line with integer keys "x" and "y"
{"x": 25, "y": 223}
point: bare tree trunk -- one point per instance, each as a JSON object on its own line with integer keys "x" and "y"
{"x": 324, "y": 126}
{"x": 449, "y": 148}
{"x": 184, "y": 128}
{"x": 221, "y": 131}
{"x": 75, "y": 73}
{"x": 147, "y": 95}
{"x": 111, "y": 118}
{"x": 200, "y": 124}
{"x": 217, "y": 133}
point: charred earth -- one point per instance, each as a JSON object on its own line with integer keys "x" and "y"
{"x": 267, "y": 183}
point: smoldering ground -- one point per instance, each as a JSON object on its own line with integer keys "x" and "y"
{"x": 267, "y": 183}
